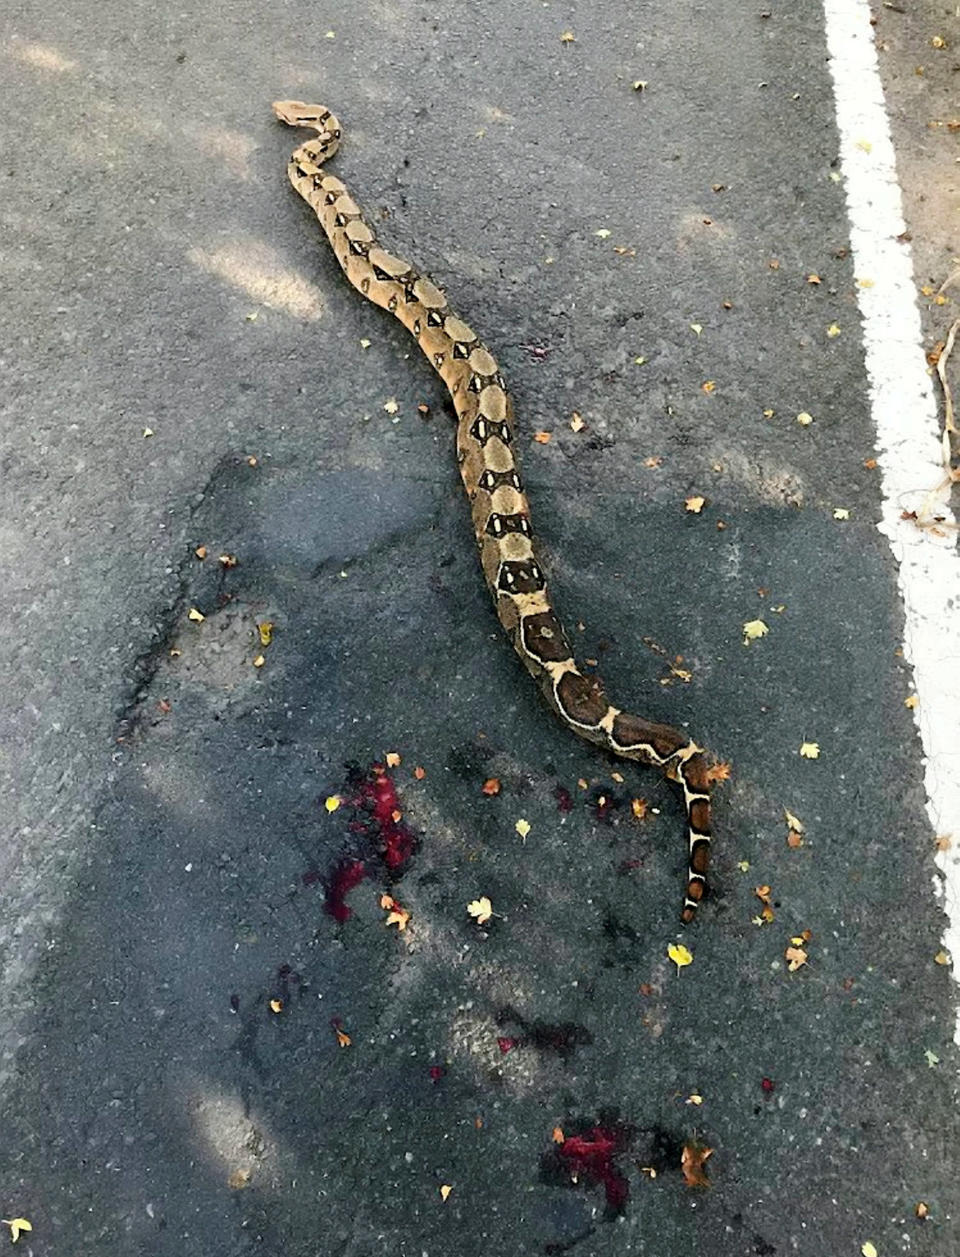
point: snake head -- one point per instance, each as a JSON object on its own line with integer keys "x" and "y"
{"x": 295, "y": 113}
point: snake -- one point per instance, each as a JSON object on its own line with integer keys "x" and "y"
{"x": 487, "y": 458}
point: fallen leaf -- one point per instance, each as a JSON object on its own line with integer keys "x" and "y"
{"x": 238, "y": 1179}
{"x": 276, "y": 1005}
{"x": 201, "y": 552}
{"x": 617, "y": 777}
{"x": 639, "y": 361}
{"x": 794, "y": 838}
{"x": 655, "y": 460}
{"x": 868, "y": 1249}
{"x": 392, "y": 759}
{"x": 543, "y": 438}
{"x": 364, "y": 343}
{"x": 691, "y": 1163}
{"x": 680, "y": 955}
{"x": 709, "y": 386}
{"x": 804, "y": 419}
{"x": 522, "y": 827}
{"x": 419, "y": 773}
{"x": 639, "y": 808}
{"x": 265, "y": 629}
{"x": 251, "y": 460}
{"x": 227, "y": 560}
{"x": 480, "y": 909}
{"x": 911, "y": 701}
{"x": 391, "y": 406}
{"x": 332, "y": 802}
{"x": 938, "y": 41}
{"x": 719, "y": 772}
{"x": 491, "y": 786}
{"x": 810, "y": 750}
{"x": 932, "y": 1059}
{"x": 343, "y": 1039}
{"x": 576, "y": 422}
{"x": 697, "y": 328}
{"x": 603, "y": 233}
{"x": 743, "y": 865}
{"x": 558, "y": 1136}
{"x": 446, "y": 1189}
{"x": 197, "y": 616}
{"x": 752, "y": 629}
{"x": 841, "y": 512}
{"x": 796, "y": 957}
{"x": 793, "y": 821}
{"x": 259, "y": 661}
{"x": 399, "y": 917}
{"x": 694, "y": 1099}
{"x": 814, "y": 278}
{"x": 16, "y": 1225}
{"x": 639, "y": 85}
{"x": 768, "y": 413}
{"x": 833, "y": 331}
{"x": 941, "y": 958}
{"x": 921, "y": 1209}
{"x": 695, "y": 504}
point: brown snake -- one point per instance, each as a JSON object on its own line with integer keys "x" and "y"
{"x": 488, "y": 465}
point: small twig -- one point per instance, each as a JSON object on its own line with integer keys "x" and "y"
{"x": 948, "y": 281}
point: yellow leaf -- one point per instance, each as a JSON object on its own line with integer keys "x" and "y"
{"x": 603, "y": 233}
{"x": 911, "y": 701}
{"x": 543, "y": 438}
{"x": 868, "y": 1249}
{"x": 617, "y": 777}
{"x": 743, "y": 866}
{"x": 865, "y": 283}
{"x": 259, "y": 661}
{"x": 639, "y": 808}
{"x": 639, "y": 361}
{"x": 522, "y": 827}
{"x": 768, "y": 413}
{"x": 752, "y": 629}
{"x": 227, "y": 560}
{"x": 16, "y": 1225}
{"x": 833, "y": 331}
{"x": 445, "y": 1191}
{"x": 941, "y": 958}
{"x": 804, "y": 419}
{"x": 398, "y": 917}
{"x": 390, "y": 406}
{"x": 332, "y": 802}
{"x": 841, "y": 512}
{"x": 696, "y": 328}
{"x": 810, "y": 750}
{"x": 265, "y": 629}
{"x": 364, "y": 343}
{"x": 147, "y": 432}
{"x": 197, "y": 616}
{"x": 638, "y": 85}
{"x": 793, "y": 822}
{"x": 480, "y": 909}
{"x": 814, "y": 278}
{"x": 709, "y": 386}
{"x": 695, "y": 504}
{"x": 558, "y": 1136}
{"x": 576, "y": 422}
{"x": 938, "y": 41}
{"x": 695, "y": 1099}
{"x": 679, "y": 955}
{"x": 392, "y": 759}
{"x": 276, "y": 1005}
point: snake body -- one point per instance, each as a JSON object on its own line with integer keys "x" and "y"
{"x": 488, "y": 465}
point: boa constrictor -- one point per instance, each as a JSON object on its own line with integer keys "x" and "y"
{"x": 488, "y": 465}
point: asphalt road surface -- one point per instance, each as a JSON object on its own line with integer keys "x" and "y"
{"x": 198, "y": 1057}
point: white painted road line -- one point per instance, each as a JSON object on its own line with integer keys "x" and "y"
{"x": 907, "y": 425}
